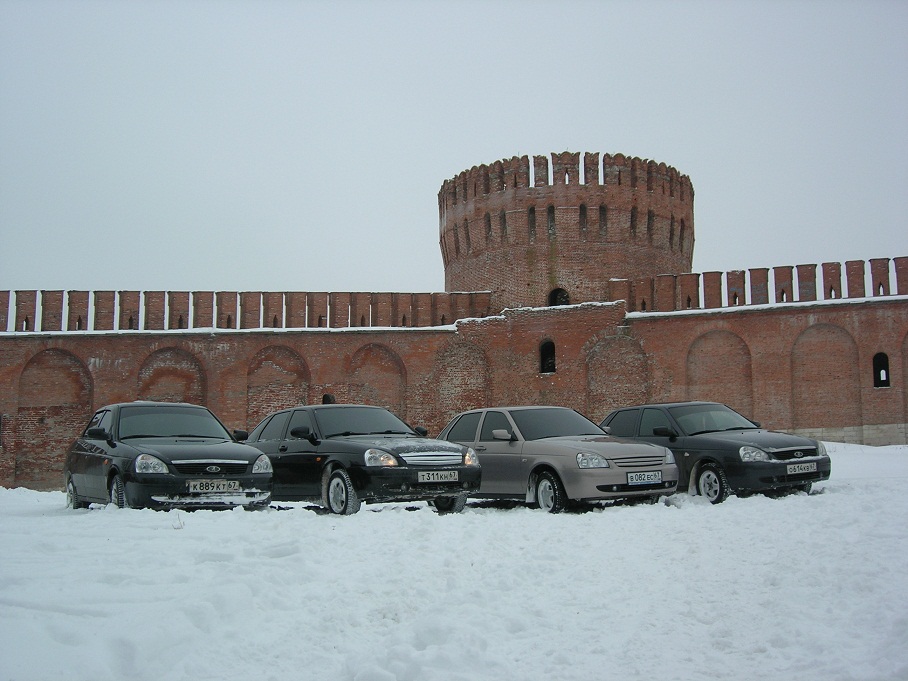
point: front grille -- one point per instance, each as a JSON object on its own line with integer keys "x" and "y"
{"x": 647, "y": 461}
{"x": 432, "y": 458}
{"x": 200, "y": 467}
{"x": 794, "y": 454}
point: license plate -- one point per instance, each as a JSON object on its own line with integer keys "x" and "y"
{"x": 437, "y": 476}
{"x": 795, "y": 468}
{"x": 214, "y": 486}
{"x": 644, "y": 478}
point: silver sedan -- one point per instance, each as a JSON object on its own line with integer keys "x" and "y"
{"x": 551, "y": 456}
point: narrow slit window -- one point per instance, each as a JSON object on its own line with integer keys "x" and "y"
{"x": 881, "y": 370}
{"x": 551, "y": 221}
{"x": 547, "y": 357}
{"x": 531, "y": 224}
{"x": 583, "y": 220}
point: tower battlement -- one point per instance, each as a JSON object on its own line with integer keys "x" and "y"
{"x": 561, "y": 229}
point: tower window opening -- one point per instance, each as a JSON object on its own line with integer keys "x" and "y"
{"x": 681, "y": 237}
{"x": 443, "y": 320}
{"x": 466, "y": 232}
{"x": 547, "y": 357}
{"x": 881, "y": 290}
{"x": 650, "y": 225}
{"x": 274, "y": 322}
{"x": 603, "y": 222}
{"x": 403, "y": 320}
{"x": 503, "y": 225}
{"x": 131, "y": 324}
{"x": 531, "y": 224}
{"x": 362, "y": 320}
{"x": 782, "y": 296}
{"x": 643, "y": 305}
{"x": 488, "y": 227}
{"x": 456, "y": 241}
{"x": 559, "y": 297}
{"x": 583, "y": 220}
{"x": 832, "y": 293}
{"x": 881, "y": 370}
{"x": 180, "y": 322}
{"x": 734, "y": 299}
{"x": 671, "y": 234}
{"x": 567, "y": 178}
{"x": 550, "y": 213}
{"x": 229, "y": 321}
{"x": 634, "y": 221}
{"x": 690, "y": 303}
{"x": 321, "y": 320}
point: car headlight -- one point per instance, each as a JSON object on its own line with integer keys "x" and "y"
{"x": 749, "y": 453}
{"x": 262, "y": 465}
{"x": 146, "y": 463}
{"x": 821, "y": 449}
{"x": 669, "y": 457}
{"x": 377, "y": 457}
{"x": 591, "y": 460}
{"x": 470, "y": 458}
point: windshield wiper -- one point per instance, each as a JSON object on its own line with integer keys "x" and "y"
{"x": 390, "y": 432}
{"x": 345, "y": 434}
{"x": 203, "y": 437}
{"x": 700, "y": 432}
{"x": 130, "y": 437}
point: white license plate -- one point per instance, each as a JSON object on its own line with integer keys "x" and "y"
{"x": 795, "y": 468}
{"x": 437, "y": 476}
{"x": 644, "y": 478}
{"x": 214, "y": 486}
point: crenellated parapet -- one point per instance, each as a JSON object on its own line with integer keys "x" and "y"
{"x": 562, "y": 226}
{"x": 763, "y": 286}
{"x": 124, "y": 311}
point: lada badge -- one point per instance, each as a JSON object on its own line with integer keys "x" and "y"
{"x": 213, "y": 469}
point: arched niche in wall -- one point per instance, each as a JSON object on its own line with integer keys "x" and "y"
{"x": 618, "y": 375}
{"x": 277, "y": 377}
{"x": 55, "y": 402}
{"x": 172, "y": 375}
{"x": 720, "y": 369}
{"x": 825, "y": 379}
{"x": 377, "y": 376}
{"x": 460, "y": 379}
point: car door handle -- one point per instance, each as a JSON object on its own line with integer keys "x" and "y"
{"x": 479, "y": 448}
{"x": 282, "y": 448}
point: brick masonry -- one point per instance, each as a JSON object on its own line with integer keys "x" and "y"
{"x": 793, "y": 347}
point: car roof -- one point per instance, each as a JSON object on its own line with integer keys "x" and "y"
{"x": 668, "y": 404}
{"x": 150, "y": 403}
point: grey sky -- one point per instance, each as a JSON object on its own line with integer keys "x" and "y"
{"x": 202, "y": 145}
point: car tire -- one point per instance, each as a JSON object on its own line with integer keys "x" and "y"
{"x": 712, "y": 484}
{"x": 806, "y": 487}
{"x": 550, "y": 494}
{"x": 117, "y": 492}
{"x": 340, "y": 494}
{"x": 453, "y": 504}
{"x": 73, "y": 500}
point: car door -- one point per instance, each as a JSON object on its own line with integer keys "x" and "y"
{"x": 268, "y": 442}
{"x": 299, "y": 460}
{"x": 653, "y": 419}
{"x": 95, "y": 459}
{"x": 503, "y": 465}
{"x": 78, "y": 458}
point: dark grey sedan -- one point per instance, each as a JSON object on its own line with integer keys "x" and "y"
{"x": 720, "y": 452}
{"x": 163, "y": 455}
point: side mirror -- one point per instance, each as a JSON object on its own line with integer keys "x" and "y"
{"x": 662, "y": 431}
{"x": 504, "y": 434}
{"x": 422, "y": 432}
{"x": 97, "y": 434}
{"x": 757, "y": 424}
{"x": 304, "y": 433}
{"x": 241, "y": 435}
{"x": 607, "y": 429}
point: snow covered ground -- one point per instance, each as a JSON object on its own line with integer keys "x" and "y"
{"x": 802, "y": 587}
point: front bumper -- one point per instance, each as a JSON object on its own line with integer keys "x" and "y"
{"x": 598, "y": 484}
{"x": 169, "y": 491}
{"x": 401, "y": 483}
{"x": 765, "y": 475}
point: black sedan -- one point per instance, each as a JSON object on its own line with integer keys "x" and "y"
{"x": 720, "y": 452}
{"x": 340, "y": 455}
{"x": 164, "y": 455}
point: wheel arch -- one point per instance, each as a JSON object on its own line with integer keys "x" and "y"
{"x": 534, "y": 478}
{"x": 695, "y": 472}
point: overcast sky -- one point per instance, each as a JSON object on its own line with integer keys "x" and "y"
{"x": 265, "y": 145}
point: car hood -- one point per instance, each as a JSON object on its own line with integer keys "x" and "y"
{"x": 767, "y": 440}
{"x": 398, "y": 444}
{"x": 175, "y": 449}
{"x": 608, "y": 446}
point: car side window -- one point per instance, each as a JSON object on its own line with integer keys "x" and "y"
{"x": 106, "y": 421}
{"x": 275, "y": 428}
{"x": 652, "y": 419}
{"x": 494, "y": 420}
{"x": 300, "y": 417}
{"x": 624, "y": 423}
{"x": 96, "y": 421}
{"x": 465, "y": 428}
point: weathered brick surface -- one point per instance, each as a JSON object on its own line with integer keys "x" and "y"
{"x": 793, "y": 355}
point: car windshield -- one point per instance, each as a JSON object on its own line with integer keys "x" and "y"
{"x": 708, "y": 418}
{"x": 169, "y": 421}
{"x": 535, "y": 424}
{"x": 359, "y": 421}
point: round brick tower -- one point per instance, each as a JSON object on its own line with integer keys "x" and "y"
{"x": 558, "y": 237}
